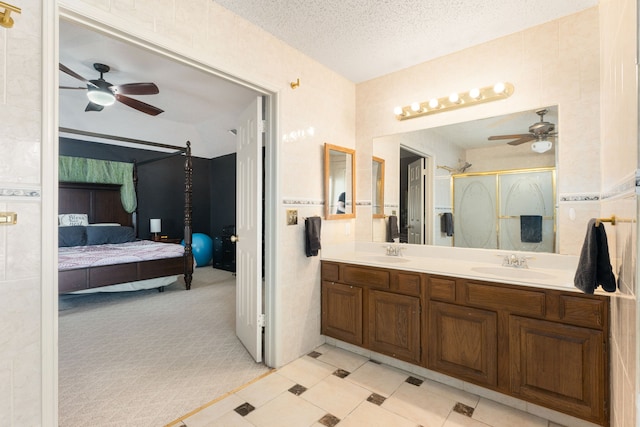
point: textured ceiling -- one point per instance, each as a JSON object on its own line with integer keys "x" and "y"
{"x": 358, "y": 39}
{"x": 363, "y": 39}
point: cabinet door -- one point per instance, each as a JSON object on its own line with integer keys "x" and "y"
{"x": 463, "y": 342}
{"x": 558, "y": 366}
{"x": 342, "y": 312}
{"x": 394, "y": 325}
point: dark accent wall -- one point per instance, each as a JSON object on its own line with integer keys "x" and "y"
{"x": 160, "y": 185}
{"x": 223, "y": 193}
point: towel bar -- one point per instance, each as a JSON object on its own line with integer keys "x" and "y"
{"x": 613, "y": 220}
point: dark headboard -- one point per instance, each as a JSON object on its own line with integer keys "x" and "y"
{"x": 101, "y": 202}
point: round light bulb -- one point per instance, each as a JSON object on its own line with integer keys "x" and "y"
{"x": 454, "y": 98}
{"x": 541, "y": 146}
{"x": 101, "y": 97}
{"x": 474, "y": 93}
{"x": 433, "y": 103}
{"x": 397, "y": 111}
{"x": 499, "y": 87}
{"x": 415, "y": 107}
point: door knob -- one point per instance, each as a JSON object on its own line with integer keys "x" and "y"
{"x": 233, "y": 238}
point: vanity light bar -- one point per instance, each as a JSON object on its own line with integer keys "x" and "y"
{"x": 455, "y": 100}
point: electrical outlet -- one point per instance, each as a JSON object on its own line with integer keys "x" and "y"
{"x": 292, "y": 216}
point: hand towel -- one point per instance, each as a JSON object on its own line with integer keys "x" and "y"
{"x": 392, "y": 228}
{"x": 312, "y": 235}
{"x": 446, "y": 223}
{"x": 594, "y": 265}
{"x": 531, "y": 228}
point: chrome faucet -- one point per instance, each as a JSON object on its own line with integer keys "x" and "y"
{"x": 515, "y": 261}
{"x": 394, "y": 250}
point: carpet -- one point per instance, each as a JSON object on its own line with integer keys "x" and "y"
{"x": 145, "y": 358}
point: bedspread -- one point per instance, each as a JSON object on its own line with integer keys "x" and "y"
{"x": 142, "y": 250}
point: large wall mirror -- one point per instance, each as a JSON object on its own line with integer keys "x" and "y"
{"x": 505, "y": 164}
{"x": 339, "y": 182}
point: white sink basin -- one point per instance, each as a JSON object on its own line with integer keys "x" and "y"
{"x": 385, "y": 259}
{"x": 513, "y": 273}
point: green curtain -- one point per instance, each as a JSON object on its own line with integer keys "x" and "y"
{"x": 77, "y": 169}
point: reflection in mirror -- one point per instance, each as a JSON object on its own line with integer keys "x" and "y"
{"x": 517, "y": 142}
{"x": 339, "y": 182}
{"x": 377, "y": 190}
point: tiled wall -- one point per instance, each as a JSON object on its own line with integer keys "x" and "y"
{"x": 324, "y": 101}
{"x": 566, "y": 75}
{"x": 20, "y": 192}
{"x": 619, "y": 154}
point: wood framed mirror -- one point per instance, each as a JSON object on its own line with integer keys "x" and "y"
{"x": 339, "y": 182}
{"x": 377, "y": 187}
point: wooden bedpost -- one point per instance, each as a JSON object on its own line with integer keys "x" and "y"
{"x": 136, "y": 220}
{"x": 188, "y": 190}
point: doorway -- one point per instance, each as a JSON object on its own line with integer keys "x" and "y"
{"x": 269, "y": 173}
{"x": 415, "y": 196}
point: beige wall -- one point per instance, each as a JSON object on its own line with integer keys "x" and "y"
{"x": 536, "y": 61}
{"x": 556, "y": 63}
{"x": 619, "y": 153}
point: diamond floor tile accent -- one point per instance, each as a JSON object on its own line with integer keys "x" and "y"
{"x": 463, "y": 409}
{"x": 341, "y": 373}
{"x": 376, "y": 399}
{"x": 244, "y": 409}
{"x": 314, "y": 354}
{"x": 297, "y": 389}
{"x": 329, "y": 420}
{"x": 415, "y": 381}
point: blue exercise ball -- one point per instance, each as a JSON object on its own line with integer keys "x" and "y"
{"x": 202, "y": 248}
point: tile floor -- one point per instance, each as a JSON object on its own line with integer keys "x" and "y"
{"x": 334, "y": 387}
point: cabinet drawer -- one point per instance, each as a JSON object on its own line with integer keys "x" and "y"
{"x": 582, "y": 311}
{"x": 442, "y": 289}
{"x": 517, "y": 301}
{"x": 407, "y": 283}
{"x": 365, "y": 276}
{"x": 330, "y": 271}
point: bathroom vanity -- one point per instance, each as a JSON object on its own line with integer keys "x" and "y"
{"x": 542, "y": 345}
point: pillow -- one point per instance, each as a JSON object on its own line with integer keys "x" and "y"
{"x": 104, "y": 224}
{"x": 68, "y": 220}
{"x": 110, "y": 234}
{"x": 75, "y": 235}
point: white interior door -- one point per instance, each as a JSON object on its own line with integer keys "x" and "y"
{"x": 248, "y": 239}
{"x": 415, "y": 203}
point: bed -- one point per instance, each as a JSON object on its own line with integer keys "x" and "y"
{"x": 103, "y": 253}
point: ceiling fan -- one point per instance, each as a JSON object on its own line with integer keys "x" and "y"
{"x": 539, "y": 132}
{"x": 102, "y": 93}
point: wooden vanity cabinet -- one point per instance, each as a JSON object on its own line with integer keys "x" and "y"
{"x": 342, "y": 312}
{"x": 559, "y": 366}
{"x": 394, "y": 325}
{"x": 463, "y": 342}
{"x": 545, "y": 346}
{"x": 378, "y": 309}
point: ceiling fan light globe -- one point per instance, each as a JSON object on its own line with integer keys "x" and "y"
{"x": 541, "y": 146}
{"x": 101, "y": 97}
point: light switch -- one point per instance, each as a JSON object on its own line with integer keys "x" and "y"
{"x": 292, "y": 216}
{"x": 8, "y": 218}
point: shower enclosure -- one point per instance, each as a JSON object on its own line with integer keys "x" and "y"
{"x": 511, "y": 210}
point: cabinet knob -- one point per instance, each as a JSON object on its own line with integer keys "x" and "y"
{"x": 233, "y": 238}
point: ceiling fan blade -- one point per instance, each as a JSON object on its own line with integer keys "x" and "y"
{"x": 139, "y": 105}
{"x": 522, "y": 140}
{"x": 94, "y": 107}
{"x": 136, "y": 89}
{"x": 73, "y": 74}
{"x": 522, "y": 135}
{"x": 73, "y": 87}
